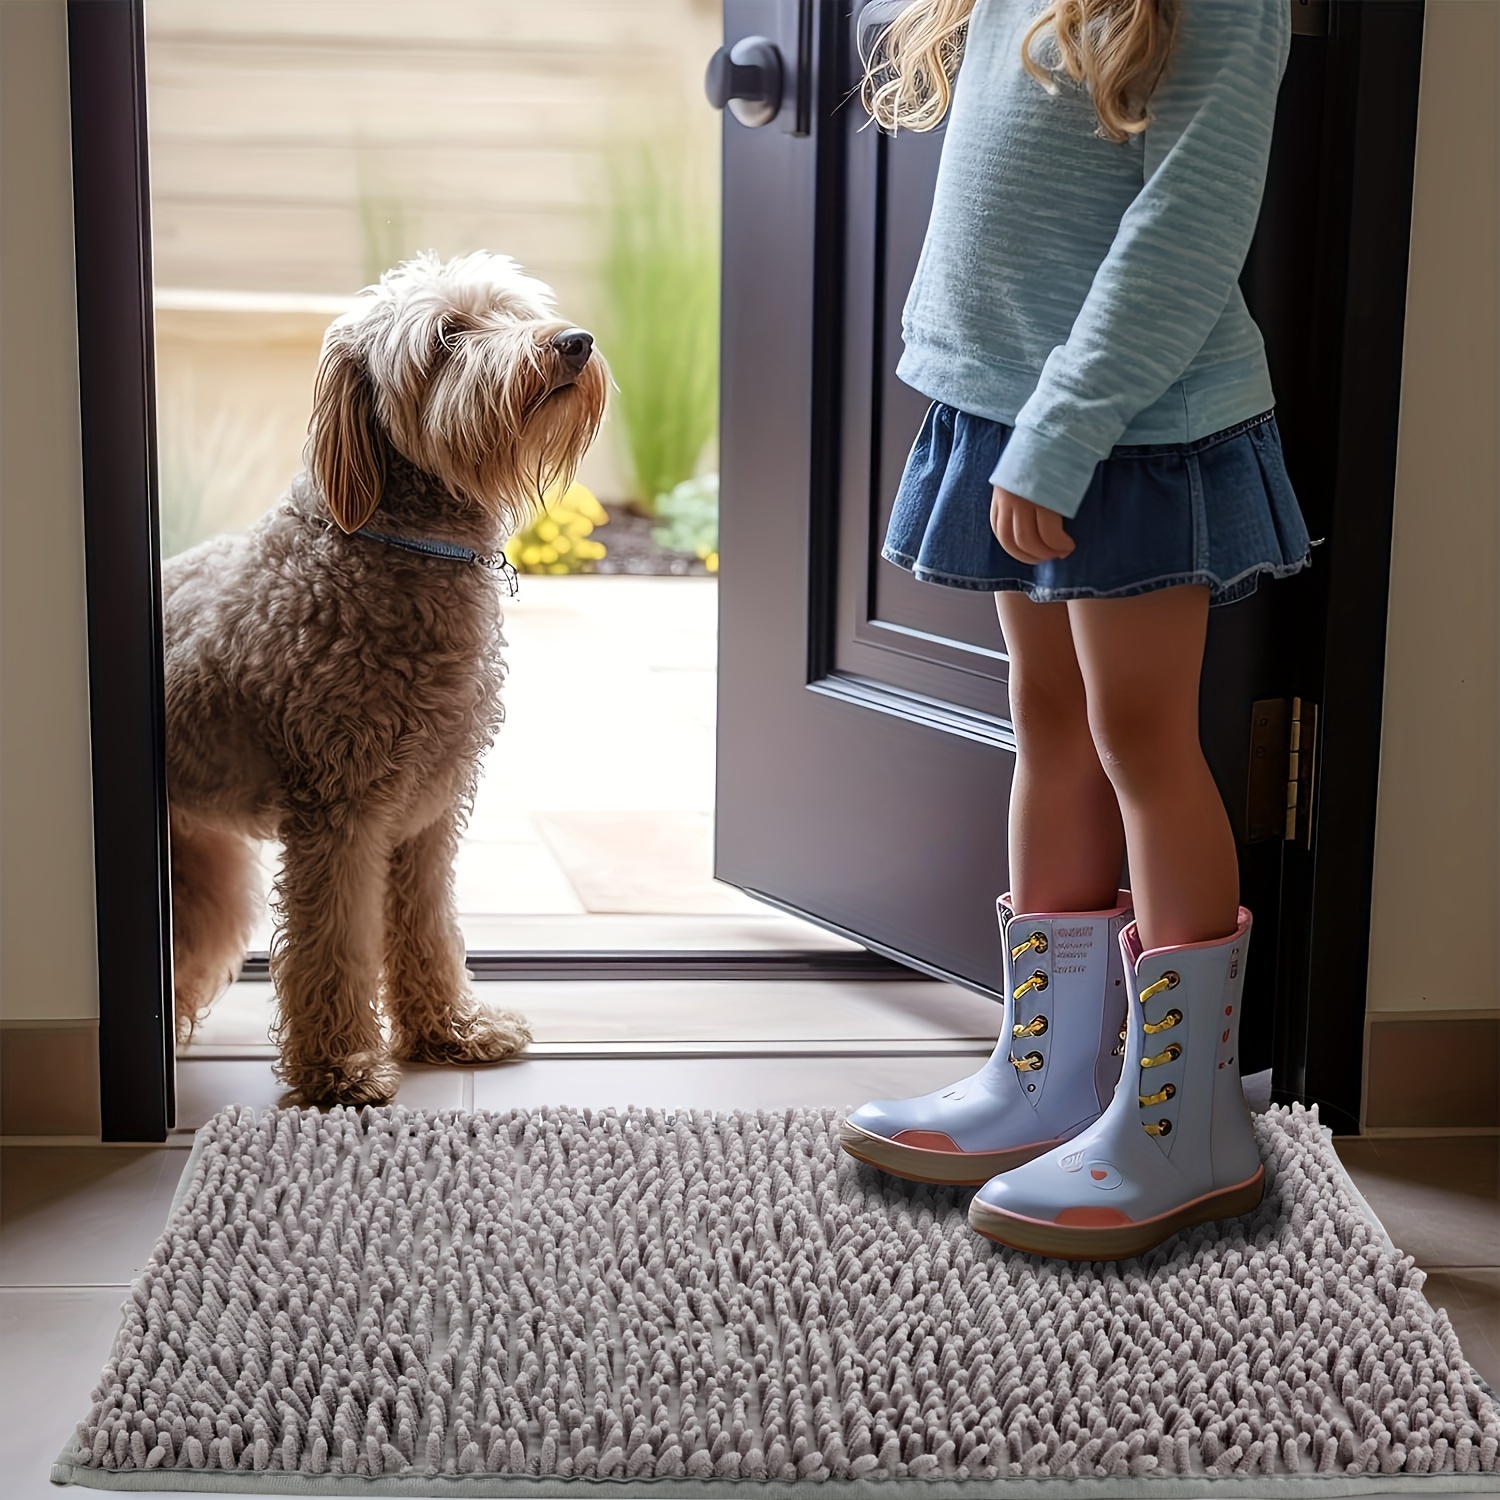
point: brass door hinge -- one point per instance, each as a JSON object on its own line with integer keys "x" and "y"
{"x": 1283, "y": 757}
{"x": 1301, "y": 759}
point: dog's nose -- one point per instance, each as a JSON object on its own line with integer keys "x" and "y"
{"x": 574, "y": 346}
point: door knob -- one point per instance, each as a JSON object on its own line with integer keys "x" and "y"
{"x": 746, "y": 78}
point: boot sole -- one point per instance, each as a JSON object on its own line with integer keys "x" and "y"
{"x": 947, "y": 1168}
{"x": 1114, "y": 1241}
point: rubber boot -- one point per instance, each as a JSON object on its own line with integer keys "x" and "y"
{"x": 1175, "y": 1146}
{"x": 1052, "y": 1072}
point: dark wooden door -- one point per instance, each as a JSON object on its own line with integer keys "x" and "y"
{"x": 865, "y": 745}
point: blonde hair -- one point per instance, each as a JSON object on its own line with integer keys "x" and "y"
{"x": 1117, "y": 48}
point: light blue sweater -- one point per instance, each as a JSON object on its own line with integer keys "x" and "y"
{"x": 1083, "y": 291}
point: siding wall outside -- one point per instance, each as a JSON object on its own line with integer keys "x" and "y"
{"x": 477, "y": 122}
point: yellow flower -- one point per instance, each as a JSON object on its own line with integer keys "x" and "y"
{"x": 557, "y": 541}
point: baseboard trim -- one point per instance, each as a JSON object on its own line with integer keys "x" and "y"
{"x": 59, "y": 1023}
{"x": 1432, "y": 1072}
{"x": 49, "y": 1080}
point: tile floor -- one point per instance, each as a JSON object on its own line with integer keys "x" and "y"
{"x": 76, "y": 1223}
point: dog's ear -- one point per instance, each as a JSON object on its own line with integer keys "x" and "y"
{"x": 345, "y": 451}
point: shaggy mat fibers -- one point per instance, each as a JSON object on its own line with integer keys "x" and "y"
{"x": 526, "y": 1304}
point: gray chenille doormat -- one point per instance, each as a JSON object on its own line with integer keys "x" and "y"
{"x": 384, "y": 1301}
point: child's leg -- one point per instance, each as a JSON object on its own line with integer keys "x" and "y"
{"x": 1055, "y": 1066}
{"x": 1141, "y": 659}
{"x": 1066, "y": 839}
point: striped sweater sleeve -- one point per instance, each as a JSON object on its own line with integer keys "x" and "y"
{"x": 1175, "y": 259}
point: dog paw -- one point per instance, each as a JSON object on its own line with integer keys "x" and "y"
{"x": 360, "y": 1079}
{"x": 477, "y": 1035}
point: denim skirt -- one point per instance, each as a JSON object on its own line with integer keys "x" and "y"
{"x": 1219, "y": 511}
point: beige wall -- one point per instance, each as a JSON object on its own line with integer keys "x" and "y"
{"x": 46, "y": 876}
{"x": 1436, "y": 914}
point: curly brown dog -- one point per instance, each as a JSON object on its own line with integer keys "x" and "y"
{"x": 333, "y": 678}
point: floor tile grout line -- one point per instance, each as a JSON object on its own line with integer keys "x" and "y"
{"x": 87, "y": 1143}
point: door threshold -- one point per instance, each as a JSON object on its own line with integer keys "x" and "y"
{"x": 917, "y": 967}
{"x": 960, "y": 1046}
{"x": 666, "y": 964}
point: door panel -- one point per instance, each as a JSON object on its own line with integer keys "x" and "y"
{"x": 910, "y": 635}
{"x": 873, "y": 802}
{"x": 865, "y": 747}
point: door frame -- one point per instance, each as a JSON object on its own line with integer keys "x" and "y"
{"x": 1370, "y": 123}
{"x": 127, "y": 701}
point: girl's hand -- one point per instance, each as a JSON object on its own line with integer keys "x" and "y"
{"x": 1030, "y": 533}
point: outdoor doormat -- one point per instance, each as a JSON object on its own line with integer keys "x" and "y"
{"x": 383, "y": 1301}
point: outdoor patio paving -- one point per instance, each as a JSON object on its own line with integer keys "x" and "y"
{"x": 593, "y": 827}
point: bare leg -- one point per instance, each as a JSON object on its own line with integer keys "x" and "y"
{"x": 1141, "y": 660}
{"x": 1066, "y": 840}
{"x": 214, "y": 901}
{"x": 433, "y": 1016}
{"x": 325, "y": 961}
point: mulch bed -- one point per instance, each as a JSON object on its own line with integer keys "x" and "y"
{"x": 630, "y": 548}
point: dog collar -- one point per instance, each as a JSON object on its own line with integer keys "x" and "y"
{"x": 495, "y": 562}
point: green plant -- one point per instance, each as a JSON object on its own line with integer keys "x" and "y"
{"x": 690, "y": 512}
{"x": 387, "y": 225}
{"x": 560, "y": 539}
{"x": 660, "y": 324}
